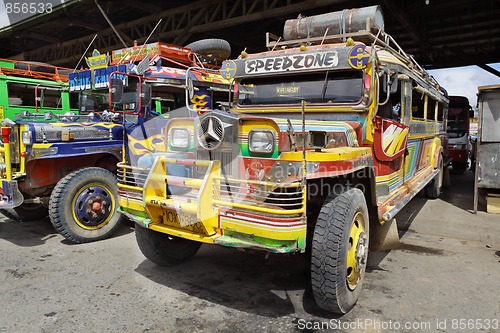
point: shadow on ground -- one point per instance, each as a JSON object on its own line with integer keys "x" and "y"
{"x": 34, "y": 233}
{"x": 248, "y": 282}
{"x": 461, "y": 192}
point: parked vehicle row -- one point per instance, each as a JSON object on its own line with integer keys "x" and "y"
{"x": 62, "y": 160}
{"x": 312, "y": 146}
{"x": 327, "y": 138}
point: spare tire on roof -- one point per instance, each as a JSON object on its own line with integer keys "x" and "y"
{"x": 211, "y": 49}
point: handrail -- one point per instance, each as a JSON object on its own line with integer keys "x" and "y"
{"x": 50, "y": 72}
{"x": 385, "y": 41}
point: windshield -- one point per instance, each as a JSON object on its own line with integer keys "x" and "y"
{"x": 327, "y": 87}
{"x": 457, "y": 122}
{"x": 93, "y": 101}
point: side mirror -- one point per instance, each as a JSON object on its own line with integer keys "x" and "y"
{"x": 116, "y": 90}
{"x": 471, "y": 113}
{"x": 146, "y": 95}
{"x": 390, "y": 82}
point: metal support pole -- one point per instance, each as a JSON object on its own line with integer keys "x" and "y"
{"x": 110, "y": 24}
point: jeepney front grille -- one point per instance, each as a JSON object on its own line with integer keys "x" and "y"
{"x": 287, "y": 196}
{"x": 133, "y": 178}
{"x": 228, "y": 150}
{"x": 50, "y": 133}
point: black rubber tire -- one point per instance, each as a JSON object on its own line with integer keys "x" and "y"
{"x": 62, "y": 205}
{"x": 26, "y": 212}
{"x": 433, "y": 189}
{"x": 163, "y": 249}
{"x": 330, "y": 249}
{"x": 212, "y": 48}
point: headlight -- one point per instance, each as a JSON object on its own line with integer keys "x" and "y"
{"x": 179, "y": 138}
{"x": 459, "y": 147}
{"x": 27, "y": 138}
{"x": 261, "y": 142}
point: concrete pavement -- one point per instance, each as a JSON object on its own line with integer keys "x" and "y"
{"x": 445, "y": 277}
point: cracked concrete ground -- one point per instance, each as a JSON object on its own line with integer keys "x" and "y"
{"x": 445, "y": 274}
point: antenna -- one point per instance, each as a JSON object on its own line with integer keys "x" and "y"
{"x": 324, "y": 36}
{"x": 83, "y": 55}
{"x": 110, "y": 24}
{"x": 276, "y": 44}
{"x": 146, "y": 41}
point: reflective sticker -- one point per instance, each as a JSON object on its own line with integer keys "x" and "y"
{"x": 358, "y": 57}
{"x": 228, "y": 69}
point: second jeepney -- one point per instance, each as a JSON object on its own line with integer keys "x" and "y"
{"x": 64, "y": 165}
{"x": 328, "y": 137}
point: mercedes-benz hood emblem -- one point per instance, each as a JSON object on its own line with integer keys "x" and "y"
{"x": 210, "y": 132}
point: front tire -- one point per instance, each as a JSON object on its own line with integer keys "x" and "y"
{"x": 83, "y": 205}
{"x": 26, "y": 212}
{"x": 163, "y": 249}
{"x": 339, "y": 251}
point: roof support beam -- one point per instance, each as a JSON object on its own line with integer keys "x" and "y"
{"x": 209, "y": 15}
{"x": 489, "y": 69}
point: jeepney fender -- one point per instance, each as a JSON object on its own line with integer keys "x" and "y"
{"x": 42, "y": 173}
{"x": 438, "y": 150}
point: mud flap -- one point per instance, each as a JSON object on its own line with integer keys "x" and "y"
{"x": 10, "y": 196}
{"x": 384, "y": 236}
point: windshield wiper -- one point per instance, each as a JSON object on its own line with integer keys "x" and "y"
{"x": 325, "y": 85}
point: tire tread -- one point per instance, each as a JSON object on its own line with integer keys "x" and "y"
{"x": 60, "y": 191}
{"x": 327, "y": 247}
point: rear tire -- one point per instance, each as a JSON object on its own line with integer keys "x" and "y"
{"x": 26, "y": 212}
{"x": 163, "y": 249}
{"x": 83, "y": 205}
{"x": 340, "y": 251}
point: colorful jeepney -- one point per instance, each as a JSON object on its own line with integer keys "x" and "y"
{"x": 65, "y": 165}
{"x": 328, "y": 138}
{"x": 34, "y": 87}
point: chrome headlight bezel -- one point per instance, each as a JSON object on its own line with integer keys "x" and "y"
{"x": 261, "y": 142}
{"x": 179, "y": 138}
{"x": 27, "y": 138}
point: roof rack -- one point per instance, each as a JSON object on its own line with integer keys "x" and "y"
{"x": 164, "y": 50}
{"x": 35, "y": 70}
{"x": 181, "y": 56}
{"x": 383, "y": 40}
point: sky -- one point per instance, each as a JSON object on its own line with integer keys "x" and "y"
{"x": 463, "y": 81}
{"x": 458, "y": 81}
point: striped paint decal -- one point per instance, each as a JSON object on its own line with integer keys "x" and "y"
{"x": 412, "y": 158}
{"x": 329, "y": 126}
{"x": 395, "y": 179}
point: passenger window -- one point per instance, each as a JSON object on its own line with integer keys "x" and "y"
{"x": 431, "y": 109}
{"x": 392, "y": 109}
{"x": 417, "y": 105}
{"x": 440, "y": 112}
